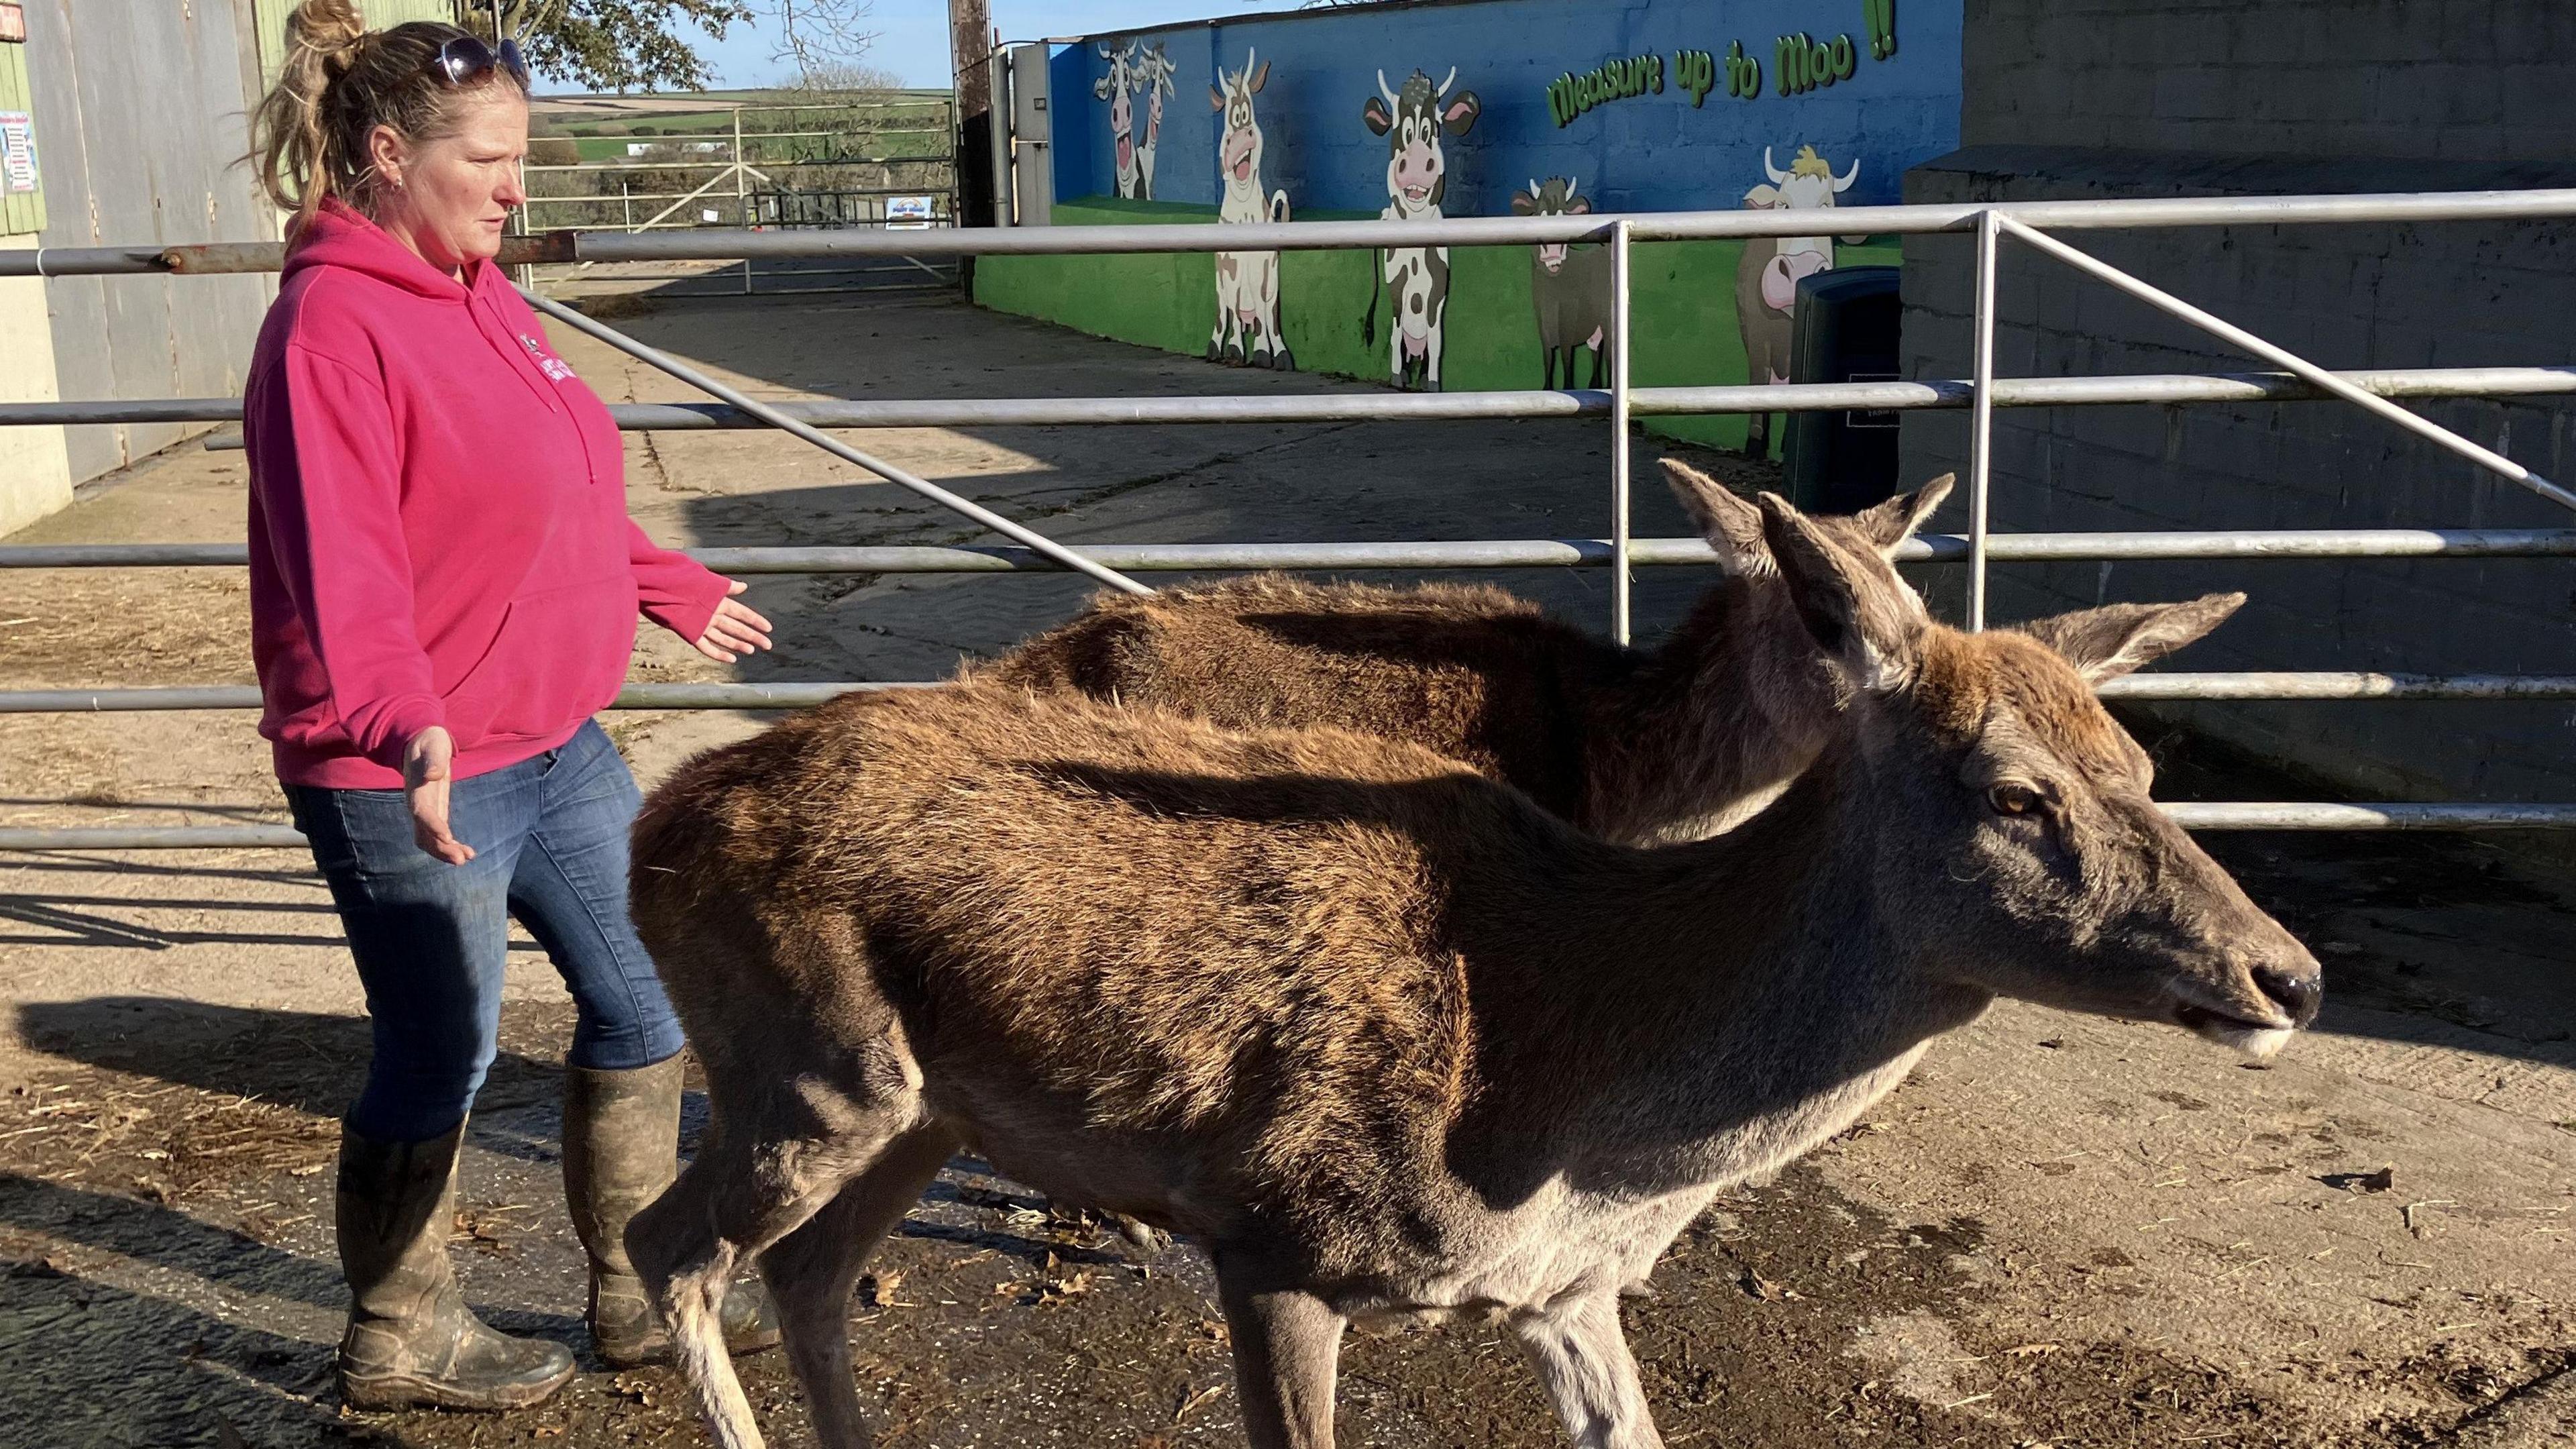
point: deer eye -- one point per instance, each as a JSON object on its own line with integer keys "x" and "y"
{"x": 2015, "y": 799}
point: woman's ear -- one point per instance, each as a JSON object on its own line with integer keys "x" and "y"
{"x": 388, "y": 152}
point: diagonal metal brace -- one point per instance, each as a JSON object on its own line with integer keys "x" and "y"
{"x": 2287, "y": 361}
{"x": 773, "y": 417}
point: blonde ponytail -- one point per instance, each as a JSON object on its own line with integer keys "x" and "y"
{"x": 309, "y": 137}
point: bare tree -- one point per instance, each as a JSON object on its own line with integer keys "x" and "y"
{"x": 816, "y": 36}
{"x": 843, "y": 75}
{"x": 639, "y": 44}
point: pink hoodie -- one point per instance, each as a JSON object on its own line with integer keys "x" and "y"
{"x": 438, "y": 529}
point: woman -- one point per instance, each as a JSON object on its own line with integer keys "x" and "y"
{"x": 444, "y": 587}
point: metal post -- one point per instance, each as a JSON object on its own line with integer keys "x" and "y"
{"x": 1981, "y": 421}
{"x": 741, "y": 193}
{"x": 838, "y": 449}
{"x": 2291, "y": 362}
{"x": 1618, "y": 433}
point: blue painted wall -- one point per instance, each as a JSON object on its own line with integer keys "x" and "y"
{"x": 1650, "y": 152}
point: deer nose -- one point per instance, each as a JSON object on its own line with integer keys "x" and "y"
{"x": 2297, "y": 992}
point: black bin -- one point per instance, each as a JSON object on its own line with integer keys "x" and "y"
{"x": 1846, "y": 331}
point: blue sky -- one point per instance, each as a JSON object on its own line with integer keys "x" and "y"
{"x": 914, "y": 39}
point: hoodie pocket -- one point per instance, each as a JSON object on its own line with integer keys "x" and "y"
{"x": 557, "y": 659}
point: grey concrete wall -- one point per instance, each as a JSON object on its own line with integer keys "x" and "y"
{"x": 2107, "y": 98}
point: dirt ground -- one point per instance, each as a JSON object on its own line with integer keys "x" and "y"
{"x": 2062, "y": 1231}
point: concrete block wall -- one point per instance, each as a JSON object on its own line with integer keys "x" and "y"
{"x": 35, "y": 475}
{"x": 2107, "y": 98}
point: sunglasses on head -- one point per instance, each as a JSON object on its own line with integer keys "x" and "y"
{"x": 467, "y": 61}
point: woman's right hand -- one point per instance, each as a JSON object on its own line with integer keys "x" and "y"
{"x": 426, "y": 765}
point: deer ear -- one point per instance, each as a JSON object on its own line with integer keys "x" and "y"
{"x": 2108, "y": 642}
{"x": 1732, "y": 526}
{"x": 1891, "y": 523}
{"x": 1872, "y": 637}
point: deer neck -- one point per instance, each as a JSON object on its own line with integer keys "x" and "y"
{"x": 1702, "y": 1014}
{"x": 1709, "y": 728}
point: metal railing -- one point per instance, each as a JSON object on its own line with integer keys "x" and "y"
{"x": 2028, "y": 222}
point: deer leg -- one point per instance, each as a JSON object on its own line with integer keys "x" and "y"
{"x": 1286, "y": 1346}
{"x": 729, "y": 1202}
{"x": 811, "y": 1271}
{"x": 1583, "y": 1363}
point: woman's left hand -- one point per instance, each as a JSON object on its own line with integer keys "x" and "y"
{"x": 734, "y": 631}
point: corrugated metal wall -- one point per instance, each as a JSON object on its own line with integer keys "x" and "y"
{"x": 379, "y": 15}
{"x": 140, "y": 110}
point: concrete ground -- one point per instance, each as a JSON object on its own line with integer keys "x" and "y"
{"x": 2062, "y": 1231}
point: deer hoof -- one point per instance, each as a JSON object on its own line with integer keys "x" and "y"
{"x": 1143, "y": 1237}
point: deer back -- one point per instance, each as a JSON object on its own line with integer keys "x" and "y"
{"x": 1469, "y": 672}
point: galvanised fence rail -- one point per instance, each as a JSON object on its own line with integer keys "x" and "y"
{"x": 2297, "y": 379}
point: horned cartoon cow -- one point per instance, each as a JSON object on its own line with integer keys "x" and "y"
{"x": 1569, "y": 287}
{"x": 1414, "y": 120}
{"x": 1766, "y": 279}
{"x": 1247, "y": 283}
{"x": 1152, "y": 72}
{"x": 1118, "y": 89}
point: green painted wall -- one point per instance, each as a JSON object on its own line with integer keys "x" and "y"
{"x": 1684, "y": 306}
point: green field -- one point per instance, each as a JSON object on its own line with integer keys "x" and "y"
{"x": 1684, "y": 307}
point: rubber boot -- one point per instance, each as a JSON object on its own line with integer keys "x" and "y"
{"x": 411, "y": 1339}
{"x": 621, "y": 1148}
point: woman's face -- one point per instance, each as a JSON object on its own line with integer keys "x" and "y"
{"x": 456, "y": 193}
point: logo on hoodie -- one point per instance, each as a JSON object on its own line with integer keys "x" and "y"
{"x": 555, "y": 368}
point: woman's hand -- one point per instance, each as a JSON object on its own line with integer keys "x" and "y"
{"x": 426, "y": 762}
{"x": 734, "y": 631}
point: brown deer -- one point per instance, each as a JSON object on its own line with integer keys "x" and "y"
{"x": 1640, "y": 747}
{"x": 1380, "y": 1034}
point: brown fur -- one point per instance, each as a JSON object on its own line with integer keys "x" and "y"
{"x": 1640, "y": 746}
{"x": 1381, "y": 1034}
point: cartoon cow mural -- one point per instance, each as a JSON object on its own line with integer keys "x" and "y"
{"x": 1766, "y": 279}
{"x": 1417, "y": 176}
{"x": 1247, "y": 283}
{"x": 1152, "y": 72}
{"x": 1118, "y": 89}
{"x": 1569, "y": 287}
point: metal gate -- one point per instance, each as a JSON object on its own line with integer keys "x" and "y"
{"x": 2028, "y": 222}
{"x": 878, "y": 162}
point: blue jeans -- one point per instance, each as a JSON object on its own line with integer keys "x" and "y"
{"x": 550, "y": 842}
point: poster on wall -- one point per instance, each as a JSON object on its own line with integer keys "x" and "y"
{"x": 17, "y": 153}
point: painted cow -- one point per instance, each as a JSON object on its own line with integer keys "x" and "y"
{"x": 1152, "y": 72}
{"x": 1766, "y": 279}
{"x": 1247, "y": 283}
{"x": 1414, "y": 120}
{"x": 1118, "y": 89}
{"x": 1569, "y": 287}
